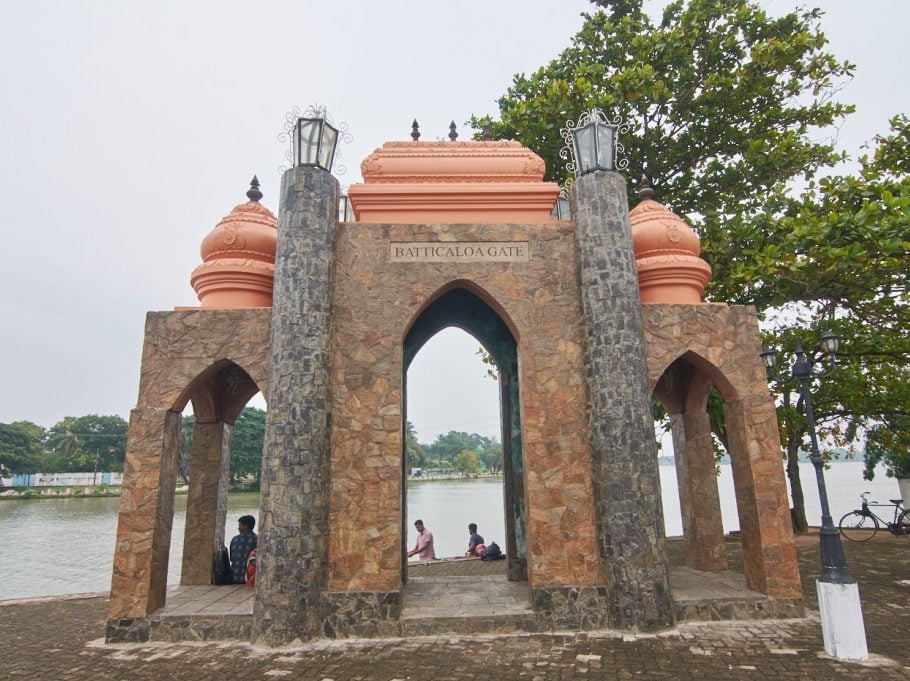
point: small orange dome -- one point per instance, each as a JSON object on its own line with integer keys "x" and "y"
{"x": 238, "y": 268}
{"x": 666, "y": 253}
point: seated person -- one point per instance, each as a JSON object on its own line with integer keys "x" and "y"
{"x": 475, "y": 543}
{"x": 241, "y": 547}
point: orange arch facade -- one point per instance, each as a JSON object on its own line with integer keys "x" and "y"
{"x": 353, "y": 302}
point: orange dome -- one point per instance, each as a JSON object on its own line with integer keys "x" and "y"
{"x": 238, "y": 255}
{"x": 666, "y": 253}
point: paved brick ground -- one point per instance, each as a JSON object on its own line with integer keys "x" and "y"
{"x": 61, "y": 639}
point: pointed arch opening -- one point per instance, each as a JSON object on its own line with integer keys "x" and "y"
{"x": 690, "y": 390}
{"x": 467, "y": 307}
{"x": 218, "y": 444}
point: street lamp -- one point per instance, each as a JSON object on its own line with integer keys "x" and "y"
{"x": 593, "y": 143}
{"x": 838, "y": 594}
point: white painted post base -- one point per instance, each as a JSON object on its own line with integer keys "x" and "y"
{"x": 842, "y": 620}
{"x": 904, "y": 486}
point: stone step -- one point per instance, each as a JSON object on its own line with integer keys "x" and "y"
{"x": 482, "y": 624}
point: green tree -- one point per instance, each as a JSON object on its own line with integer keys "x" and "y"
{"x": 889, "y": 443}
{"x": 187, "y": 424}
{"x": 87, "y": 443}
{"x": 491, "y": 457}
{"x": 21, "y": 447}
{"x": 835, "y": 257}
{"x": 416, "y": 455}
{"x": 446, "y": 448}
{"x": 246, "y": 444}
{"x": 722, "y": 101}
{"x": 247, "y": 439}
{"x": 467, "y": 462}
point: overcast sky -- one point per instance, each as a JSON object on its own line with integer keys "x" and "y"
{"x": 128, "y": 130}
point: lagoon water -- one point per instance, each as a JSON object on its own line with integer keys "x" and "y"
{"x": 63, "y": 546}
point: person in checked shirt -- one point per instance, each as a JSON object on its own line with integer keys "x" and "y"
{"x": 241, "y": 546}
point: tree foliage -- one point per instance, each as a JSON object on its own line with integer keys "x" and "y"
{"x": 246, "y": 444}
{"x": 889, "y": 443}
{"x": 445, "y": 450}
{"x": 467, "y": 462}
{"x": 836, "y": 257}
{"x": 722, "y": 100}
{"x": 21, "y": 447}
{"x": 247, "y": 440}
{"x": 86, "y": 443}
{"x": 415, "y": 454}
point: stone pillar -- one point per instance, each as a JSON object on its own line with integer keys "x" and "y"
{"x": 626, "y": 478}
{"x": 144, "y": 523}
{"x": 703, "y": 528}
{"x": 293, "y": 541}
{"x": 206, "y": 501}
{"x": 766, "y": 530}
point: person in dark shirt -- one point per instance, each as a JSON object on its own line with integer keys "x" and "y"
{"x": 475, "y": 543}
{"x": 241, "y": 546}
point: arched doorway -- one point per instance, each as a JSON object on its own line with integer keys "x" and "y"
{"x": 461, "y": 307}
{"x": 683, "y": 391}
{"x": 218, "y": 395}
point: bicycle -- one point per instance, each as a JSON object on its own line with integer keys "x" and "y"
{"x": 863, "y": 524}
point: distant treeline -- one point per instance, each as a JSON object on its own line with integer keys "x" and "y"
{"x": 98, "y": 443}
{"x": 463, "y": 452}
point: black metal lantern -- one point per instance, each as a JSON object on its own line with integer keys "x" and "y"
{"x": 345, "y": 210}
{"x": 830, "y": 343}
{"x": 769, "y": 358}
{"x": 593, "y": 143}
{"x": 314, "y": 143}
{"x": 561, "y": 209}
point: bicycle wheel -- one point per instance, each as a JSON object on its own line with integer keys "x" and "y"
{"x": 856, "y": 526}
{"x": 903, "y": 524}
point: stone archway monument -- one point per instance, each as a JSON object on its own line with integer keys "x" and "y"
{"x": 460, "y": 233}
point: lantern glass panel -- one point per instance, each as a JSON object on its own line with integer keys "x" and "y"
{"x": 605, "y": 147}
{"x": 308, "y": 141}
{"x": 561, "y": 209}
{"x": 585, "y": 148}
{"x": 327, "y": 150}
{"x": 830, "y": 342}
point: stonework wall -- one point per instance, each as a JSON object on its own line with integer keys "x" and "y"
{"x": 179, "y": 348}
{"x": 723, "y": 342}
{"x": 376, "y": 299}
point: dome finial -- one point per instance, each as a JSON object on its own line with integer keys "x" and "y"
{"x": 253, "y": 194}
{"x": 646, "y": 191}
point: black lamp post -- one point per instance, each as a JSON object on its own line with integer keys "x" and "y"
{"x": 834, "y": 563}
{"x": 593, "y": 143}
{"x": 314, "y": 142}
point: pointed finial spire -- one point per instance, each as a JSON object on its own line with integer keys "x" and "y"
{"x": 646, "y": 191}
{"x": 253, "y": 194}
{"x": 453, "y": 135}
{"x": 415, "y": 131}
